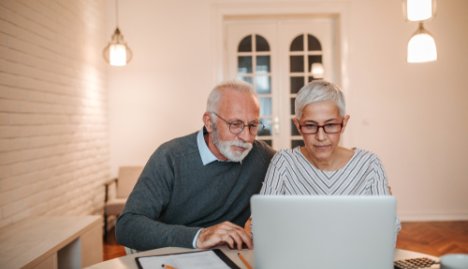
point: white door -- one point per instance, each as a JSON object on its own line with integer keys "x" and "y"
{"x": 276, "y": 56}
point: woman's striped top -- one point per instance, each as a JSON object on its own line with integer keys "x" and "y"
{"x": 291, "y": 173}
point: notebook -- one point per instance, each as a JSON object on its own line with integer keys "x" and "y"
{"x": 326, "y": 232}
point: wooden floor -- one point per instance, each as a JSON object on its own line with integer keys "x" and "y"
{"x": 434, "y": 238}
{"x": 111, "y": 248}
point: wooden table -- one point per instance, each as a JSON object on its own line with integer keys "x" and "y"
{"x": 52, "y": 242}
{"x": 128, "y": 262}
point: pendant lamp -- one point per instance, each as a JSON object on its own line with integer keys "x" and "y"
{"x": 117, "y": 52}
{"x": 419, "y": 10}
{"x": 421, "y": 47}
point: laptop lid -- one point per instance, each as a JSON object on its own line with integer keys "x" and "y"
{"x": 326, "y": 232}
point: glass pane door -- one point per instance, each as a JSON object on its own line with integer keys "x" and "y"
{"x": 254, "y": 66}
{"x": 277, "y": 56}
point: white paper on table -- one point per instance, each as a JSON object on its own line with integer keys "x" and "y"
{"x": 191, "y": 260}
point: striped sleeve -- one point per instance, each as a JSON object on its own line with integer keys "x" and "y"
{"x": 379, "y": 185}
{"x": 273, "y": 183}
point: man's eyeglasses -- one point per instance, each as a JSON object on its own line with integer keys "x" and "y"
{"x": 329, "y": 128}
{"x": 237, "y": 126}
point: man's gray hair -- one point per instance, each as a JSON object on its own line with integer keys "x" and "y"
{"x": 217, "y": 92}
{"x": 317, "y": 91}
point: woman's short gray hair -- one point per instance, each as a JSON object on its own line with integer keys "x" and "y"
{"x": 217, "y": 92}
{"x": 317, "y": 91}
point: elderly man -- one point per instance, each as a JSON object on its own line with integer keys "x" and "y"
{"x": 195, "y": 190}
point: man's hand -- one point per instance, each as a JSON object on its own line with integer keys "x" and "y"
{"x": 224, "y": 233}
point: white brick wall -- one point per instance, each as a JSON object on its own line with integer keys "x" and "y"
{"x": 54, "y": 150}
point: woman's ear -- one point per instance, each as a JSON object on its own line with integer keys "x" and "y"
{"x": 297, "y": 124}
{"x": 345, "y": 122}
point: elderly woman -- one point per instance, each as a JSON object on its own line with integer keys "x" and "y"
{"x": 322, "y": 166}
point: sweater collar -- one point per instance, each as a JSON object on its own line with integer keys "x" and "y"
{"x": 206, "y": 155}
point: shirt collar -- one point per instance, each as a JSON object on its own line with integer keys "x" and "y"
{"x": 205, "y": 153}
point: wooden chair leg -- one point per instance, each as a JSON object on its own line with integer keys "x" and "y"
{"x": 105, "y": 227}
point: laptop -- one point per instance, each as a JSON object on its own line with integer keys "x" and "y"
{"x": 324, "y": 232}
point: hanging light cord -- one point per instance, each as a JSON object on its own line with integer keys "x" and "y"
{"x": 117, "y": 13}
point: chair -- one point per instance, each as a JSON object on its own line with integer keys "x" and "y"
{"x": 124, "y": 183}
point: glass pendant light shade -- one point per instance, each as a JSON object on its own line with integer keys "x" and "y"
{"x": 419, "y": 10}
{"x": 421, "y": 47}
{"x": 117, "y": 53}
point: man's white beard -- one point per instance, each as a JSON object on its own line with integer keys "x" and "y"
{"x": 225, "y": 147}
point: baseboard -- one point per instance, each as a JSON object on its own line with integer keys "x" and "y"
{"x": 433, "y": 217}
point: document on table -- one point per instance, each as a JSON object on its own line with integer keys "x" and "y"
{"x": 207, "y": 259}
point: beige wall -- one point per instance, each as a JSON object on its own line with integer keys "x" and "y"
{"x": 54, "y": 150}
{"x": 415, "y": 117}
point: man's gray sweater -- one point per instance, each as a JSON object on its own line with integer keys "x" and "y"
{"x": 176, "y": 194}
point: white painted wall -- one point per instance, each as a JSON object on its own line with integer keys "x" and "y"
{"x": 54, "y": 150}
{"x": 415, "y": 117}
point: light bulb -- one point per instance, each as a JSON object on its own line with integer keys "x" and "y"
{"x": 117, "y": 55}
{"x": 317, "y": 70}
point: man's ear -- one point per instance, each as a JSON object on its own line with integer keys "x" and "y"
{"x": 207, "y": 122}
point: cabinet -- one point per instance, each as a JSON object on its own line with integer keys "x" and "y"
{"x": 52, "y": 242}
